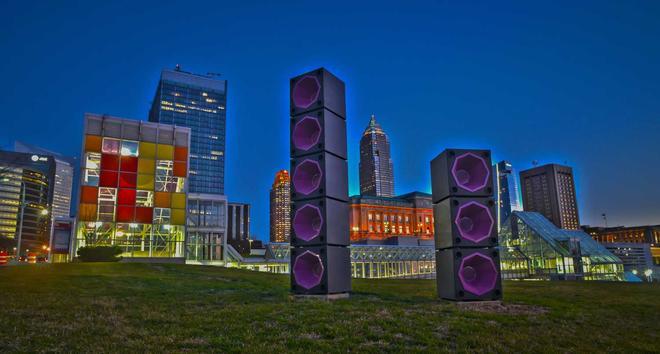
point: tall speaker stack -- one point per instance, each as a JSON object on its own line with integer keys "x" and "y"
{"x": 466, "y": 258}
{"x": 320, "y": 258}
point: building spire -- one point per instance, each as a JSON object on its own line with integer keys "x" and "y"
{"x": 372, "y": 121}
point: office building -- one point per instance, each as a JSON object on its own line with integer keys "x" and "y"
{"x": 133, "y": 190}
{"x": 63, "y": 186}
{"x": 550, "y": 190}
{"x": 506, "y": 191}
{"x": 238, "y": 222}
{"x": 534, "y": 248}
{"x": 374, "y": 218}
{"x": 376, "y": 169}
{"x": 199, "y": 102}
{"x": 280, "y": 207}
{"x": 26, "y": 196}
{"x": 649, "y": 234}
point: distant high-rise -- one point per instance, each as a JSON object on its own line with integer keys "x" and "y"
{"x": 63, "y": 186}
{"x": 550, "y": 190}
{"x": 376, "y": 170}
{"x": 238, "y": 222}
{"x": 199, "y": 103}
{"x": 506, "y": 191}
{"x": 280, "y": 207}
{"x": 26, "y": 195}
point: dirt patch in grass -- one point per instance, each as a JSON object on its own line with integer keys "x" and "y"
{"x": 502, "y": 308}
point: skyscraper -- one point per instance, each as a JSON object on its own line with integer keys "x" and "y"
{"x": 199, "y": 103}
{"x": 26, "y": 194}
{"x": 550, "y": 191}
{"x": 506, "y": 191}
{"x": 280, "y": 207}
{"x": 376, "y": 171}
{"x": 63, "y": 185}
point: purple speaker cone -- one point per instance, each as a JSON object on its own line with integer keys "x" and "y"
{"x": 306, "y": 91}
{"x": 474, "y": 221}
{"x": 306, "y": 133}
{"x": 471, "y": 172}
{"x": 307, "y": 176}
{"x": 307, "y": 222}
{"x": 478, "y": 274}
{"x": 308, "y": 269}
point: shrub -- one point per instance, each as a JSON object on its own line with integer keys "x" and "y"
{"x": 99, "y": 254}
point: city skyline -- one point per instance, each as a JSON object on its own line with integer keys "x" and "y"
{"x": 537, "y": 68}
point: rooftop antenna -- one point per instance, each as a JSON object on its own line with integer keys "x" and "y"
{"x": 177, "y": 67}
{"x": 535, "y": 162}
{"x": 214, "y": 74}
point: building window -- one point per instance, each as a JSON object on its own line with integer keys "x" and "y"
{"x": 129, "y": 148}
{"x": 110, "y": 146}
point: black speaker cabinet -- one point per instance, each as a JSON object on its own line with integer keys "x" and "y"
{"x": 465, "y": 222}
{"x": 468, "y": 274}
{"x": 318, "y": 131}
{"x": 320, "y": 270}
{"x": 317, "y": 176}
{"x": 461, "y": 173}
{"x": 319, "y": 222}
{"x": 317, "y": 89}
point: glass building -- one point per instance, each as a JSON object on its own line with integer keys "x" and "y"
{"x": 63, "y": 186}
{"x": 534, "y": 248}
{"x": 199, "y": 102}
{"x": 26, "y": 195}
{"x": 506, "y": 189}
{"x": 376, "y": 169}
{"x": 133, "y": 191}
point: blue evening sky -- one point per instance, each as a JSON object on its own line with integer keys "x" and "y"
{"x": 574, "y": 82}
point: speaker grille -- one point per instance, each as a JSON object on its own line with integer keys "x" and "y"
{"x": 307, "y": 177}
{"x": 470, "y": 172}
{"x": 306, "y": 91}
{"x": 478, "y": 274}
{"x": 306, "y": 133}
{"x": 308, "y": 270}
{"x": 474, "y": 222}
{"x": 307, "y": 222}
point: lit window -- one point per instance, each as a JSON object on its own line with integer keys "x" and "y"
{"x": 162, "y": 215}
{"x": 110, "y": 146}
{"x": 129, "y": 148}
{"x": 144, "y": 198}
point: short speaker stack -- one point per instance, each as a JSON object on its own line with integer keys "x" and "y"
{"x": 320, "y": 258}
{"x": 467, "y": 258}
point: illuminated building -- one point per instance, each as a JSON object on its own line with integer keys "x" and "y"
{"x": 26, "y": 195}
{"x": 379, "y": 218}
{"x": 199, "y": 102}
{"x": 133, "y": 190}
{"x": 506, "y": 191}
{"x": 280, "y": 207}
{"x": 550, "y": 190}
{"x": 63, "y": 186}
{"x": 634, "y": 234}
{"x": 376, "y": 170}
{"x": 534, "y": 248}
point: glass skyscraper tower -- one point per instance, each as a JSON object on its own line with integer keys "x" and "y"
{"x": 506, "y": 191}
{"x": 199, "y": 103}
{"x": 376, "y": 170}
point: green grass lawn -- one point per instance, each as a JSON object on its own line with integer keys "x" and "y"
{"x": 99, "y": 307}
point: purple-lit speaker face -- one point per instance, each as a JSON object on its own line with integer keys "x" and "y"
{"x": 470, "y": 172}
{"x": 307, "y": 177}
{"x": 474, "y": 222}
{"x": 308, "y": 270}
{"x": 306, "y": 91}
{"x": 307, "y": 222}
{"x": 478, "y": 274}
{"x": 306, "y": 133}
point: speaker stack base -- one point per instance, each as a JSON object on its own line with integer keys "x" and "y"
{"x": 324, "y": 297}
